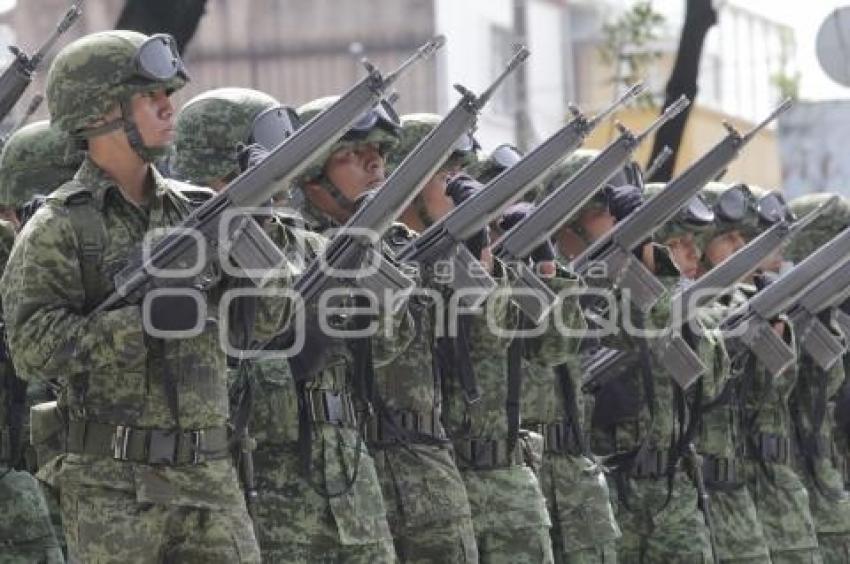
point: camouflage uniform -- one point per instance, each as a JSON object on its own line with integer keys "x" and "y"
{"x": 639, "y": 426}
{"x": 737, "y": 532}
{"x": 147, "y": 475}
{"x": 427, "y": 506}
{"x": 26, "y": 534}
{"x": 334, "y": 513}
{"x": 508, "y": 507}
{"x": 820, "y": 459}
{"x": 584, "y": 529}
{"x": 36, "y": 158}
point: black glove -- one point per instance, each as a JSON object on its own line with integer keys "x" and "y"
{"x": 28, "y": 208}
{"x": 764, "y": 279}
{"x": 461, "y": 187}
{"x": 249, "y": 156}
{"x": 623, "y": 200}
{"x": 542, "y": 253}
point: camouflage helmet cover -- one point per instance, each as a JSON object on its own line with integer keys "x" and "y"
{"x": 694, "y": 219}
{"x": 208, "y": 129}
{"x": 562, "y": 172}
{"x": 385, "y": 139}
{"x": 91, "y": 75}
{"x": 37, "y": 158}
{"x": 414, "y": 128}
{"x": 822, "y": 229}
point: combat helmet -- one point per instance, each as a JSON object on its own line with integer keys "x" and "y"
{"x": 380, "y": 125}
{"x": 211, "y": 125}
{"x": 498, "y": 160}
{"x": 36, "y": 159}
{"x": 93, "y": 74}
{"x": 829, "y": 224}
{"x": 743, "y": 207}
{"x": 695, "y": 218}
{"x": 415, "y": 127}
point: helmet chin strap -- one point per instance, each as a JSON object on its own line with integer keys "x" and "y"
{"x": 134, "y": 136}
{"x": 341, "y": 199}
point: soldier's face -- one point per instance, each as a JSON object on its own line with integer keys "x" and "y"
{"x": 355, "y": 170}
{"x": 723, "y": 246}
{"x": 596, "y": 222}
{"x": 570, "y": 245}
{"x": 685, "y": 254}
{"x": 154, "y": 117}
{"x": 10, "y": 214}
{"x": 437, "y": 203}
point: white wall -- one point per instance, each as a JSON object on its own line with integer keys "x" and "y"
{"x": 469, "y": 58}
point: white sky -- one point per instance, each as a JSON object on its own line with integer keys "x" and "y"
{"x": 805, "y": 18}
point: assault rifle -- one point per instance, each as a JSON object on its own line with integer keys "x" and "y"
{"x": 671, "y": 350}
{"x": 358, "y": 237}
{"x": 444, "y": 239}
{"x": 812, "y": 335}
{"x": 18, "y": 75}
{"x": 613, "y": 252}
{"x": 750, "y": 324}
{"x": 535, "y": 299}
{"x": 222, "y": 225}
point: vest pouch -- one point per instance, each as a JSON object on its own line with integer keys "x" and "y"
{"x": 48, "y": 431}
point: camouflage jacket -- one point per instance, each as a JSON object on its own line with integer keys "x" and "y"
{"x": 111, "y": 371}
{"x": 486, "y": 418}
{"x": 634, "y": 409}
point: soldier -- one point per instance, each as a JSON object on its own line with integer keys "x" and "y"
{"x": 584, "y": 529}
{"x": 316, "y": 491}
{"x": 779, "y": 495}
{"x": 147, "y": 475}
{"x": 35, "y": 158}
{"x": 736, "y": 530}
{"x": 427, "y": 506}
{"x": 820, "y": 460}
{"x": 640, "y": 427}
{"x": 26, "y": 533}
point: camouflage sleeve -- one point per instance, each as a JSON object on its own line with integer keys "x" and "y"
{"x": 393, "y": 337}
{"x": 43, "y": 296}
{"x": 7, "y": 239}
{"x": 300, "y": 247}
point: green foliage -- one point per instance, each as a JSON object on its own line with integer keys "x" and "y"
{"x": 628, "y": 40}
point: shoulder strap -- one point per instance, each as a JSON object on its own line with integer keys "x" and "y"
{"x": 91, "y": 239}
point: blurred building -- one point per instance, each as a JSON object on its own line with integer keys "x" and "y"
{"x": 745, "y": 55}
{"x": 301, "y": 49}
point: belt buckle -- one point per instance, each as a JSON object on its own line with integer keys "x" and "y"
{"x": 120, "y": 440}
{"x": 333, "y": 407}
{"x": 197, "y": 440}
{"x": 162, "y": 446}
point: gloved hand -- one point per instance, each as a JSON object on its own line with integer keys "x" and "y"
{"x": 544, "y": 252}
{"x": 459, "y": 189}
{"x": 623, "y": 200}
{"x": 249, "y": 156}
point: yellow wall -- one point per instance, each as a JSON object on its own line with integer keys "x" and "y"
{"x": 758, "y": 163}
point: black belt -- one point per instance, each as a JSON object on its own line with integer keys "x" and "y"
{"x": 404, "y": 425}
{"x": 773, "y": 448}
{"x": 5, "y": 445}
{"x": 721, "y": 470}
{"x": 331, "y": 407}
{"x": 650, "y": 463}
{"x": 148, "y": 446}
{"x": 487, "y": 454}
{"x": 558, "y": 437}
